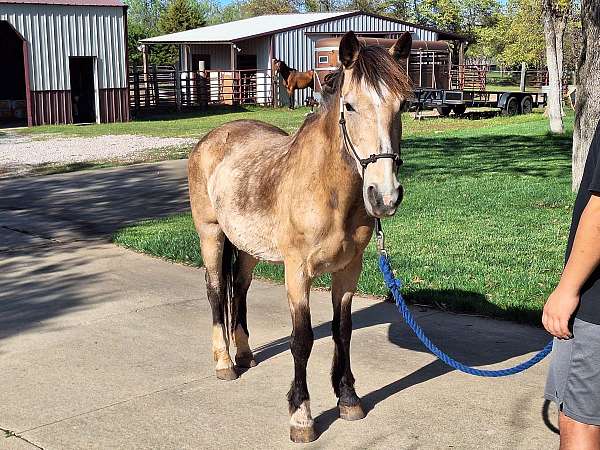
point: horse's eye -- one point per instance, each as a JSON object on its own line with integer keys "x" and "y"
{"x": 349, "y": 107}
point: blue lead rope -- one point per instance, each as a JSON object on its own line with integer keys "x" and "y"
{"x": 394, "y": 285}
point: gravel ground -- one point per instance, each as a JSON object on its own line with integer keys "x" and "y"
{"x": 19, "y": 153}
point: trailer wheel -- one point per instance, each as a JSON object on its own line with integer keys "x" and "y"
{"x": 526, "y": 105}
{"x": 512, "y": 107}
{"x": 459, "y": 110}
{"x": 443, "y": 110}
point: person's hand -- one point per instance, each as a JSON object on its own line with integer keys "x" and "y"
{"x": 559, "y": 308}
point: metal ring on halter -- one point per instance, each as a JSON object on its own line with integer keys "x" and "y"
{"x": 380, "y": 237}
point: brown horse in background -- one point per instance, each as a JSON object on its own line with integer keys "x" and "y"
{"x": 293, "y": 79}
{"x": 307, "y": 201}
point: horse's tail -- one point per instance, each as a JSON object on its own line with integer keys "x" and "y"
{"x": 230, "y": 269}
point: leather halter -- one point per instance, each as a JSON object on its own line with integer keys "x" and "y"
{"x": 364, "y": 162}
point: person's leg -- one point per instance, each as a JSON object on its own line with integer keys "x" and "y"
{"x": 576, "y": 435}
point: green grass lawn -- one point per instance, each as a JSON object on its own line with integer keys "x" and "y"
{"x": 197, "y": 124}
{"x": 482, "y": 228}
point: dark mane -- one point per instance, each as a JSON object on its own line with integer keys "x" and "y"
{"x": 374, "y": 66}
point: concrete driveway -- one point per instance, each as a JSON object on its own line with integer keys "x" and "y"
{"x": 105, "y": 348}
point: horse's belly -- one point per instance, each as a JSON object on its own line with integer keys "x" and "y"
{"x": 250, "y": 231}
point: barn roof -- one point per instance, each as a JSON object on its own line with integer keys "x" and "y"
{"x": 67, "y": 2}
{"x": 264, "y": 25}
{"x": 242, "y": 29}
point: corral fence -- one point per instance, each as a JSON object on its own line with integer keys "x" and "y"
{"x": 482, "y": 77}
{"x": 172, "y": 89}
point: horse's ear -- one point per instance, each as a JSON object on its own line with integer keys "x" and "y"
{"x": 401, "y": 49}
{"x": 349, "y": 48}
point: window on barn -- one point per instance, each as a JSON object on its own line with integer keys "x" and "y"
{"x": 323, "y": 59}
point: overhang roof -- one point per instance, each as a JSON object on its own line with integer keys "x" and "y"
{"x": 265, "y": 25}
{"x": 245, "y": 28}
{"x": 118, "y": 3}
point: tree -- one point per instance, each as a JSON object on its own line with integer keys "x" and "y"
{"x": 253, "y": 8}
{"x": 181, "y": 15}
{"x": 512, "y": 35}
{"x": 372, "y": 6}
{"x": 142, "y": 22}
{"x": 443, "y": 14}
{"x": 587, "y": 106}
{"x": 555, "y": 15}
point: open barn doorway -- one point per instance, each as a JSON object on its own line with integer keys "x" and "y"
{"x": 13, "y": 83}
{"x": 246, "y": 64}
{"x": 83, "y": 91}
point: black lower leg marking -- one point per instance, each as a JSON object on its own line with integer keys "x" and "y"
{"x": 301, "y": 345}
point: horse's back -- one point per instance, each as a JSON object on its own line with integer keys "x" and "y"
{"x": 228, "y": 184}
{"x": 230, "y": 139}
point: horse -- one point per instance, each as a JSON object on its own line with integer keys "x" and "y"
{"x": 309, "y": 201}
{"x": 293, "y": 79}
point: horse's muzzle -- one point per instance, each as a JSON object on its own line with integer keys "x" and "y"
{"x": 384, "y": 204}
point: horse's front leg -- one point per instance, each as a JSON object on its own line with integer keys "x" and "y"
{"x": 298, "y": 287}
{"x": 343, "y": 288}
{"x": 291, "y": 96}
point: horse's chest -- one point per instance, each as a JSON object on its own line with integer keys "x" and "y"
{"x": 334, "y": 253}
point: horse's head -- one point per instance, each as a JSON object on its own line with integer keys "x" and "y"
{"x": 372, "y": 91}
{"x": 276, "y": 66}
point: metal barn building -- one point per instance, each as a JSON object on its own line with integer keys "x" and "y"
{"x": 251, "y": 44}
{"x": 63, "y": 61}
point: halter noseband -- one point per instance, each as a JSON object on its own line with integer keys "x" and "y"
{"x": 364, "y": 162}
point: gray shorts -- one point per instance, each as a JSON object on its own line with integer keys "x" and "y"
{"x": 574, "y": 376}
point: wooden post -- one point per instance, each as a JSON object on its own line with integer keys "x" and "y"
{"x": 155, "y": 85}
{"x": 523, "y": 75}
{"x": 233, "y": 75}
{"x": 461, "y": 65}
{"x": 136, "y": 90}
{"x": 177, "y": 88}
{"x": 145, "y": 70}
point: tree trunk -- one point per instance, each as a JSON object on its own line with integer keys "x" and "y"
{"x": 587, "y": 105}
{"x": 552, "y": 56}
{"x": 560, "y": 26}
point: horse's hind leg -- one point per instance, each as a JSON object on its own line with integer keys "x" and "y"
{"x": 343, "y": 287}
{"x": 212, "y": 243}
{"x": 246, "y": 263}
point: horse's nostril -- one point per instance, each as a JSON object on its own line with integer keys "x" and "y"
{"x": 374, "y": 196}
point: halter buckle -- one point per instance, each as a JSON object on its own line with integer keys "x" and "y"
{"x": 379, "y": 238}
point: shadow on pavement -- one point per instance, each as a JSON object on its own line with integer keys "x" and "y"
{"x": 29, "y": 296}
{"x": 66, "y": 208}
{"x": 100, "y": 202}
{"x": 473, "y": 340}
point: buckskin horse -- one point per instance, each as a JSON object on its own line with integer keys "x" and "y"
{"x": 293, "y": 79}
{"x": 308, "y": 201}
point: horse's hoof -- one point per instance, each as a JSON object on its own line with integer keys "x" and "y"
{"x": 245, "y": 361}
{"x": 228, "y": 374}
{"x": 354, "y": 412}
{"x": 302, "y": 435}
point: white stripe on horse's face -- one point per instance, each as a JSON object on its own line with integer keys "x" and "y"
{"x": 375, "y": 128}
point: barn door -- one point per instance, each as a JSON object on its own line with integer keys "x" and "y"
{"x": 14, "y": 107}
{"x": 83, "y": 92}
{"x": 246, "y": 64}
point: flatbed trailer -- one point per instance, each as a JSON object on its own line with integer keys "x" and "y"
{"x": 435, "y": 81}
{"x": 457, "y": 101}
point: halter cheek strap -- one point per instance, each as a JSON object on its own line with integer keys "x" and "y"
{"x": 364, "y": 162}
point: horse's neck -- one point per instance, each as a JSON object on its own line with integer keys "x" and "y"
{"x": 321, "y": 148}
{"x": 285, "y": 71}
